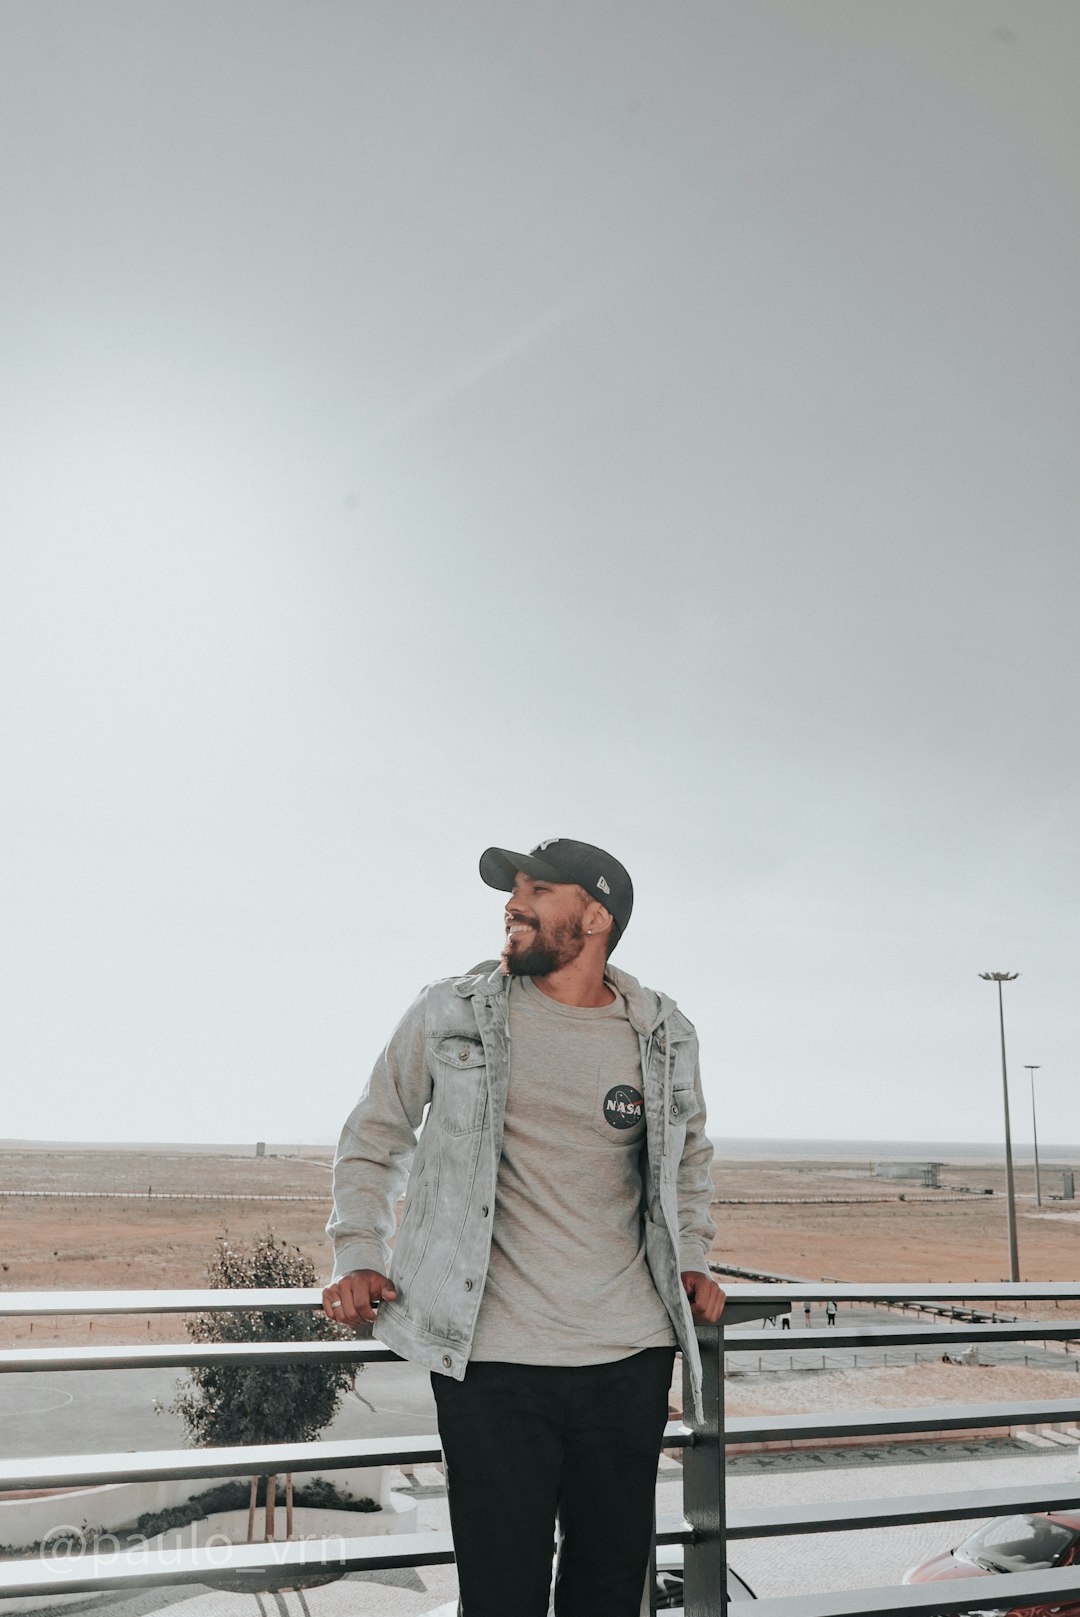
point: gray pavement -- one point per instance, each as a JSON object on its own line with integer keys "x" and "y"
{"x": 112, "y": 1411}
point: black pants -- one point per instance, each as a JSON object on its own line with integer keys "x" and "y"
{"x": 524, "y": 1444}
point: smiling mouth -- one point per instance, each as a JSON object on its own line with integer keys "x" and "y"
{"x": 517, "y": 928}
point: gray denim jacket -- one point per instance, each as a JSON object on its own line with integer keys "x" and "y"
{"x": 450, "y": 1052}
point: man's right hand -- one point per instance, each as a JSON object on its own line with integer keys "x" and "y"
{"x": 356, "y": 1296}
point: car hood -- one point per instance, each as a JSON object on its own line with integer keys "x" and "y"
{"x": 944, "y": 1565}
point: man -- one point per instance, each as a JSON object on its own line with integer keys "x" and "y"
{"x": 552, "y": 1248}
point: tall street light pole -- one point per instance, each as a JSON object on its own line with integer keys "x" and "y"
{"x": 1000, "y": 977}
{"x": 1032, "y": 1068}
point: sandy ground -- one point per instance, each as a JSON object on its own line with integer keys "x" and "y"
{"x": 66, "y": 1242}
{"x": 927, "y": 1236}
{"x": 769, "y": 1216}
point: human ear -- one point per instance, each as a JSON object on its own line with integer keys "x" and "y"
{"x": 597, "y": 920}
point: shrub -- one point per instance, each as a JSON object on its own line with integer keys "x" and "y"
{"x": 224, "y": 1404}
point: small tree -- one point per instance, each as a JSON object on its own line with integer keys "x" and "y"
{"x": 223, "y": 1404}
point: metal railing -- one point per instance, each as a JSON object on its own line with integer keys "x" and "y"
{"x": 705, "y": 1524}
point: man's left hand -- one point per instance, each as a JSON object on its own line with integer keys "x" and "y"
{"x": 706, "y": 1299}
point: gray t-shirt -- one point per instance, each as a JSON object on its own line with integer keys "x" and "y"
{"x": 568, "y": 1282}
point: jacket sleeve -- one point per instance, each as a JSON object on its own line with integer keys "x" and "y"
{"x": 695, "y": 1186}
{"x": 371, "y": 1166}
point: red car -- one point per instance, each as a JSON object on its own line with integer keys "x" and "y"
{"x": 1009, "y": 1544}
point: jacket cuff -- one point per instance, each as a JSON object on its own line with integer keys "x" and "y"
{"x": 693, "y": 1259}
{"x": 360, "y": 1255}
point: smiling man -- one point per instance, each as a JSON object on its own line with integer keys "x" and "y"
{"x": 551, "y": 1254}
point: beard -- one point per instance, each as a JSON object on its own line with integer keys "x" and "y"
{"x": 546, "y": 951}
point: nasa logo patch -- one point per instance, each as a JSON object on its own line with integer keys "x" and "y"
{"x": 623, "y": 1107}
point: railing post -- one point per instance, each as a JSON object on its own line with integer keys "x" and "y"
{"x": 705, "y": 1558}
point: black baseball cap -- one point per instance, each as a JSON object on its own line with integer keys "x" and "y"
{"x": 561, "y": 859}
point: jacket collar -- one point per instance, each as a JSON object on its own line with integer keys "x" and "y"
{"x": 645, "y": 1008}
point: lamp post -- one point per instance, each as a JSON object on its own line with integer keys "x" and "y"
{"x": 1000, "y": 977}
{"x": 1033, "y": 1068}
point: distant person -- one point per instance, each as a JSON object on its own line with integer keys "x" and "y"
{"x": 830, "y": 1314}
{"x": 807, "y": 1316}
{"x": 552, "y": 1249}
{"x": 785, "y": 1323}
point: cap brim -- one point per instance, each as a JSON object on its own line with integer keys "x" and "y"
{"x": 498, "y": 867}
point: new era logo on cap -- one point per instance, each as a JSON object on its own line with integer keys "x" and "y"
{"x": 602, "y": 884}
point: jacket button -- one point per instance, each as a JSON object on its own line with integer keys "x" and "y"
{"x": 484, "y": 1211}
{"x": 674, "y": 1111}
{"x": 468, "y": 1285}
{"x": 464, "y": 1055}
{"x": 448, "y": 1361}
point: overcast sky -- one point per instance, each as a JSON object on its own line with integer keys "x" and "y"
{"x": 429, "y": 425}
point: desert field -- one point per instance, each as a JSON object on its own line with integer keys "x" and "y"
{"x": 70, "y": 1242}
{"x": 795, "y": 1217}
{"x": 772, "y": 1216}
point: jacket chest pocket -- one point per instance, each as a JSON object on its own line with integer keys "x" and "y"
{"x": 459, "y": 1084}
{"x": 682, "y": 1107}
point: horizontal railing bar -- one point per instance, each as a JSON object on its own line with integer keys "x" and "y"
{"x": 157, "y": 1355}
{"x": 213, "y": 1300}
{"x": 739, "y": 1313}
{"x": 283, "y": 1564}
{"x": 268, "y": 1459}
{"x": 166, "y": 1355}
{"x": 776, "y": 1521}
{"x": 673, "y": 1529}
{"x": 931, "y": 1418}
{"x": 948, "y": 1595}
{"x": 209, "y": 1300}
{"x": 144, "y": 1568}
{"x": 809, "y": 1291}
{"x": 255, "y": 1459}
{"x": 887, "y": 1336}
